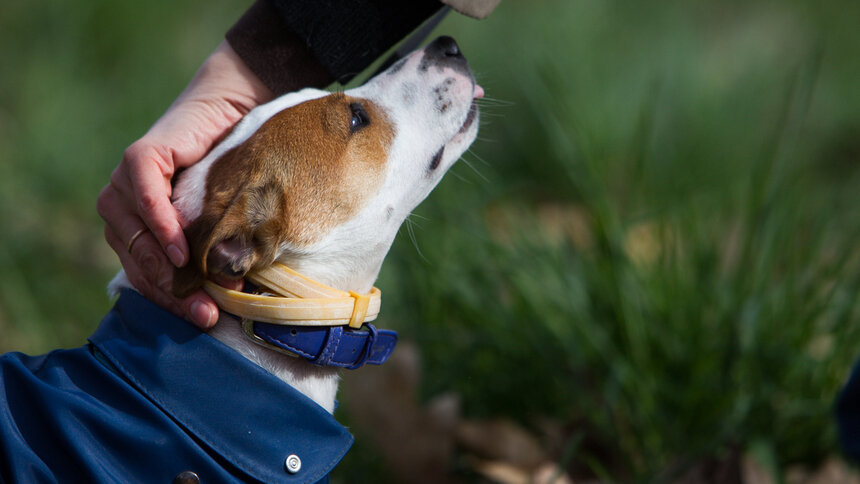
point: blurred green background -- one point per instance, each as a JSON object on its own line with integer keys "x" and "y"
{"x": 646, "y": 269}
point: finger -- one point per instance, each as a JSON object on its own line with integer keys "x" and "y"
{"x": 120, "y": 219}
{"x": 117, "y": 205}
{"x": 201, "y": 310}
{"x": 198, "y": 308}
{"x": 139, "y": 278}
{"x": 150, "y": 180}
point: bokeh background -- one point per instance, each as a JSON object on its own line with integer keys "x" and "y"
{"x": 645, "y": 270}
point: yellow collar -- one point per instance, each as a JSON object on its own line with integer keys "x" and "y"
{"x": 299, "y": 301}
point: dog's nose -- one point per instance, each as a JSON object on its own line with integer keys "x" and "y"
{"x": 444, "y": 47}
{"x": 444, "y": 52}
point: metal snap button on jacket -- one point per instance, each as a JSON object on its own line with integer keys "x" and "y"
{"x": 186, "y": 477}
{"x": 293, "y": 464}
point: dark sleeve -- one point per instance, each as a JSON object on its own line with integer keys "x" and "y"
{"x": 291, "y": 44}
{"x": 847, "y": 410}
{"x": 278, "y": 57}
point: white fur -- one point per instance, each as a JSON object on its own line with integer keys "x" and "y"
{"x": 350, "y": 255}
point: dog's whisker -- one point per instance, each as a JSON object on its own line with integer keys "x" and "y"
{"x": 489, "y": 114}
{"x": 477, "y": 172}
{"x": 415, "y": 215}
{"x": 494, "y": 102}
{"x": 411, "y": 231}
{"x": 485, "y": 122}
{"x": 458, "y": 176}
{"x": 483, "y": 161}
{"x": 411, "y": 218}
{"x": 483, "y": 103}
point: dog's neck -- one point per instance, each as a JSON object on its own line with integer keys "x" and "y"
{"x": 317, "y": 383}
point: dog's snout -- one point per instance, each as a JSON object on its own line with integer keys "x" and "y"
{"x": 446, "y": 47}
{"x": 444, "y": 51}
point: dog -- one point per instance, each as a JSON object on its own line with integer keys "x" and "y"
{"x": 320, "y": 182}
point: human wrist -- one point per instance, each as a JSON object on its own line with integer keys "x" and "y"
{"x": 226, "y": 74}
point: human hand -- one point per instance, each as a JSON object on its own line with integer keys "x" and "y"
{"x": 142, "y": 226}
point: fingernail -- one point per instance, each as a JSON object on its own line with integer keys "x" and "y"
{"x": 202, "y": 315}
{"x": 176, "y": 256}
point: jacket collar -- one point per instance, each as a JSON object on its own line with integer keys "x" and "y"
{"x": 241, "y": 412}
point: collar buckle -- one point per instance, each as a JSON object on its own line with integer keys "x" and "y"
{"x": 248, "y": 329}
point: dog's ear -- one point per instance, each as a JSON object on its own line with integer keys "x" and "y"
{"x": 215, "y": 248}
{"x": 232, "y": 257}
{"x": 248, "y": 234}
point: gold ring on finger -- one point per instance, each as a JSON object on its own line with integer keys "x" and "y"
{"x": 133, "y": 239}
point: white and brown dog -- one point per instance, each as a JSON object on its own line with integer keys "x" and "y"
{"x": 322, "y": 182}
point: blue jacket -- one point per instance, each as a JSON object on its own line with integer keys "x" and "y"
{"x": 149, "y": 397}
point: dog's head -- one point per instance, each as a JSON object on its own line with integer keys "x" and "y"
{"x": 314, "y": 174}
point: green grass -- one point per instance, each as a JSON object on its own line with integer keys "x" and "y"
{"x": 78, "y": 83}
{"x": 666, "y": 253}
{"x": 656, "y": 244}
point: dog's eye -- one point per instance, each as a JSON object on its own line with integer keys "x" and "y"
{"x": 359, "y": 117}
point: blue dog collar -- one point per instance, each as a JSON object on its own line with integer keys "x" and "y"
{"x": 338, "y": 346}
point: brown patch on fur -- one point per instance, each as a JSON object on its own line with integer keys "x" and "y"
{"x": 301, "y": 174}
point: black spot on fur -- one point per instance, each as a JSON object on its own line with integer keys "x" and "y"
{"x": 437, "y": 158}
